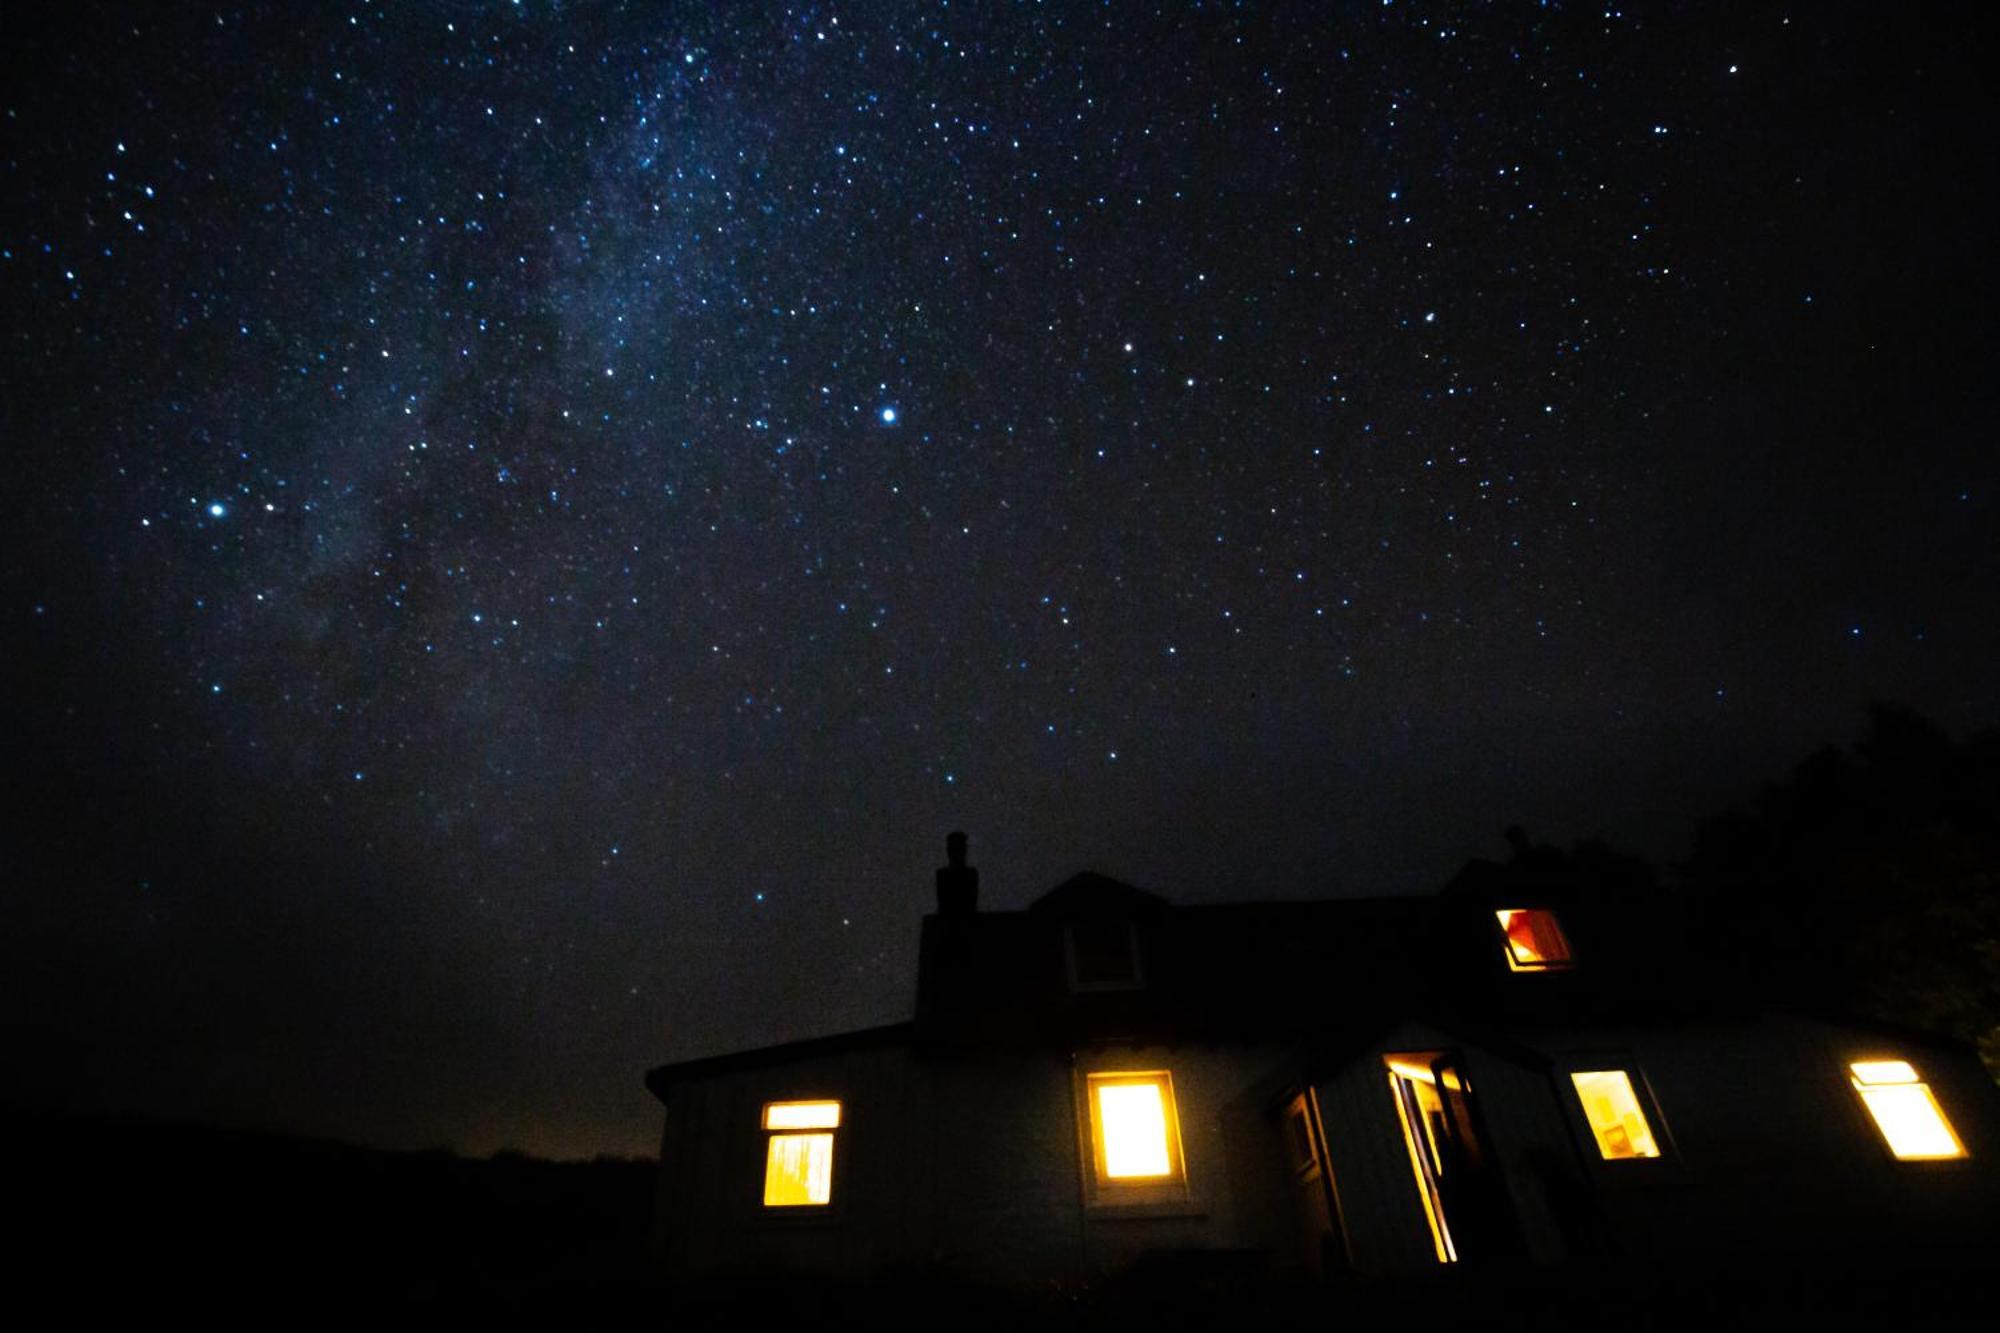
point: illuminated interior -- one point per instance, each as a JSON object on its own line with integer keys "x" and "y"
{"x": 1535, "y": 942}
{"x": 1911, "y": 1121}
{"x": 798, "y": 1167}
{"x": 802, "y": 1115}
{"x": 1133, "y": 1125}
{"x": 1616, "y": 1120}
{"x": 1421, "y": 1112}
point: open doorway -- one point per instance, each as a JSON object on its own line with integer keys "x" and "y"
{"x": 1462, "y": 1199}
{"x": 1323, "y": 1230}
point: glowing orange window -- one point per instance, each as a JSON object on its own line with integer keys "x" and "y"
{"x": 798, "y": 1155}
{"x": 1134, "y": 1129}
{"x": 1617, "y": 1121}
{"x": 1535, "y": 940}
{"x": 1911, "y": 1121}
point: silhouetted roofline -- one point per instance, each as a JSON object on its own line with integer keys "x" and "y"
{"x": 1406, "y": 902}
{"x": 661, "y": 1077}
{"x": 1880, "y": 1027}
{"x": 1089, "y": 890}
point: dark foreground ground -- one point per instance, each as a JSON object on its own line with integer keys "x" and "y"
{"x": 127, "y": 1223}
{"x": 186, "y": 1216}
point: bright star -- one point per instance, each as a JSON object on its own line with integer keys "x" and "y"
{"x": 216, "y": 510}
{"x": 888, "y": 416}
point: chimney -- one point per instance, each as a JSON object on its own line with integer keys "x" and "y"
{"x": 957, "y": 882}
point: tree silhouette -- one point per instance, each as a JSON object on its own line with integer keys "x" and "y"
{"x": 1868, "y": 879}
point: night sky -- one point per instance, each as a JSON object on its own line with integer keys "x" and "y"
{"x": 526, "y": 523}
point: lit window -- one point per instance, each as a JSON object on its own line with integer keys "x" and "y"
{"x": 1910, "y": 1118}
{"x": 1535, "y": 943}
{"x": 1134, "y": 1131}
{"x": 798, "y": 1154}
{"x": 1616, "y": 1119}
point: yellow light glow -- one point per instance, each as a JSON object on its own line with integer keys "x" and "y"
{"x": 1911, "y": 1121}
{"x": 1417, "y": 1073}
{"x": 1616, "y": 1120}
{"x": 1132, "y": 1117}
{"x": 1535, "y": 942}
{"x": 798, "y": 1170}
{"x": 802, "y": 1115}
{"x": 1417, "y": 1101}
{"x": 1883, "y": 1071}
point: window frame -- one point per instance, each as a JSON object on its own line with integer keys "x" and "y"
{"x": 1873, "y": 1126}
{"x": 1146, "y": 1195}
{"x": 1137, "y": 981}
{"x": 1616, "y": 1171}
{"x": 1635, "y": 1084}
{"x": 785, "y": 1213}
{"x": 1567, "y": 963}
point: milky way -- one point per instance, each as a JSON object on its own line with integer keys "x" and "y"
{"x": 531, "y": 521}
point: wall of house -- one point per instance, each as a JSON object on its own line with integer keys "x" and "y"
{"x": 974, "y": 1163}
{"x": 1769, "y": 1150}
{"x": 1237, "y": 1203}
{"x": 1379, "y": 1204}
{"x": 999, "y": 1187}
{"x": 980, "y": 1163}
{"x": 1766, "y": 1147}
{"x": 709, "y": 1216}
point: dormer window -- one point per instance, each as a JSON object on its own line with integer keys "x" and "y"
{"x": 1534, "y": 939}
{"x": 1911, "y": 1121}
{"x": 1103, "y": 955}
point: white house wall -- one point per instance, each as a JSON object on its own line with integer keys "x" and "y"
{"x": 709, "y": 1211}
{"x": 973, "y": 1163}
{"x": 1767, "y": 1148}
{"x": 978, "y": 1162}
{"x": 1379, "y": 1205}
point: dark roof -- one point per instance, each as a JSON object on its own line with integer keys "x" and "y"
{"x": 1090, "y": 894}
{"x": 1321, "y": 970}
{"x": 1207, "y": 970}
{"x": 660, "y": 1077}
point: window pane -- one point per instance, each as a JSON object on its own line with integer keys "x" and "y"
{"x": 802, "y": 1115}
{"x": 1102, "y": 953}
{"x": 1883, "y": 1071}
{"x": 1535, "y": 941}
{"x": 798, "y": 1170}
{"x": 1132, "y": 1117}
{"x": 1905, "y": 1111}
{"x": 1612, "y": 1108}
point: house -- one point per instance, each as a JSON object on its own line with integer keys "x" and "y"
{"x": 1513, "y": 1075}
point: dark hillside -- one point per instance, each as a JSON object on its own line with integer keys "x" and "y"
{"x": 140, "y": 1209}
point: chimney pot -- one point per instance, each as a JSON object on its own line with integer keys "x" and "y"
{"x": 957, "y": 882}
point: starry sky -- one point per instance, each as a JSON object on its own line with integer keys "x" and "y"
{"x": 527, "y": 523}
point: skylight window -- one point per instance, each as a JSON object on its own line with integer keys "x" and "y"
{"x": 1911, "y": 1121}
{"x": 1535, "y": 940}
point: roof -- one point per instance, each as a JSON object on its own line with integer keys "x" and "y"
{"x": 1319, "y": 970}
{"x": 661, "y": 1077}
